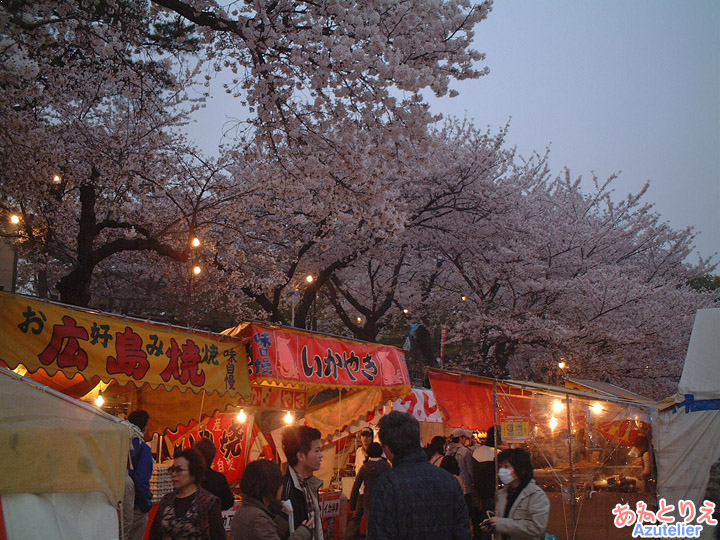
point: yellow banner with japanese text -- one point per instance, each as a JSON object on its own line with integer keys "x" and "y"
{"x": 56, "y": 337}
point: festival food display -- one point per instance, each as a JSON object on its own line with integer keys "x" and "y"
{"x": 581, "y": 442}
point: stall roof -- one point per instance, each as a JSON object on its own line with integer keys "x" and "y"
{"x": 366, "y": 375}
{"x": 607, "y": 389}
{"x": 466, "y": 400}
{"x": 158, "y": 362}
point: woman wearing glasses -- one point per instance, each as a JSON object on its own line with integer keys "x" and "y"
{"x": 189, "y": 512}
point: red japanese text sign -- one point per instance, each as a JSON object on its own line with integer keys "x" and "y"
{"x": 291, "y": 356}
{"x": 55, "y": 337}
{"x": 237, "y": 443}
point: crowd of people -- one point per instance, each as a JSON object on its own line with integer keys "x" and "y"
{"x": 402, "y": 491}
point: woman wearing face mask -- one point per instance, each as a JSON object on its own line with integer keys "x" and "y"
{"x": 523, "y": 508}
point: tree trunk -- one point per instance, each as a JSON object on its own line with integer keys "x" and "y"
{"x": 74, "y": 288}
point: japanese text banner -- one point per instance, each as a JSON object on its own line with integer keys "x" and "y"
{"x": 55, "y": 337}
{"x": 301, "y": 357}
{"x": 238, "y": 443}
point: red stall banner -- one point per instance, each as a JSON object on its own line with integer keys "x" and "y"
{"x": 284, "y": 355}
{"x": 467, "y": 400}
{"x": 275, "y": 398}
{"x": 237, "y": 443}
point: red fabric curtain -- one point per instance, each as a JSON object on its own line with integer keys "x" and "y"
{"x": 467, "y": 401}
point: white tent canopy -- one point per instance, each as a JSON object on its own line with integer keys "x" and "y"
{"x": 687, "y": 431}
{"x": 64, "y": 464}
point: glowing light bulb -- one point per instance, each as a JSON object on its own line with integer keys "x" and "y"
{"x": 197, "y": 270}
{"x": 195, "y": 242}
{"x": 406, "y": 311}
{"x": 14, "y": 219}
{"x": 57, "y": 179}
{"x": 289, "y": 418}
{"x": 558, "y": 406}
{"x": 241, "y": 416}
{"x": 596, "y": 408}
{"x": 99, "y": 401}
{"x": 553, "y": 423}
{"x": 562, "y": 364}
{"x": 464, "y": 298}
{"x": 310, "y": 278}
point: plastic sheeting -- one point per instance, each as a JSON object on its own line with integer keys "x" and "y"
{"x": 579, "y": 443}
{"x": 53, "y": 444}
{"x": 60, "y": 516}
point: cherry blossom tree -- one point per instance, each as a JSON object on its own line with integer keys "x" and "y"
{"x": 90, "y": 97}
{"x": 574, "y": 275}
{"x": 526, "y": 268}
{"x": 94, "y": 94}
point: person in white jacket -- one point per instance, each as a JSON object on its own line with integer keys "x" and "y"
{"x": 523, "y": 508}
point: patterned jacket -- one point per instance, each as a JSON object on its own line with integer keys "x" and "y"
{"x": 418, "y": 501}
{"x": 195, "y": 524}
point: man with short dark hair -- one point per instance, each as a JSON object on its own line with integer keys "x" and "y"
{"x": 303, "y": 451}
{"x": 415, "y": 500}
{"x": 142, "y": 468}
{"x": 214, "y": 482}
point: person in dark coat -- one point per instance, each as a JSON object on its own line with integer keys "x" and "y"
{"x": 375, "y": 466}
{"x": 188, "y": 512}
{"x": 303, "y": 450}
{"x": 415, "y": 500}
{"x": 215, "y": 482}
{"x": 484, "y": 480}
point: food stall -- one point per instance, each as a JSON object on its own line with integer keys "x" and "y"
{"x": 580, "y": 442}
{"x": 420, "y": 402}
{"x": 191, "y": 381}
{"x": 337, "y": 380}
{"x": 175, "y": 374}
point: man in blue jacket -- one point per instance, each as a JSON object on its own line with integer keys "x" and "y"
{"x": 142, "y": 468}
{"x": 415, "y": 500}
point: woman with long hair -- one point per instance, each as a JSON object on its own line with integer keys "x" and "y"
{"x": 523, "y": 508}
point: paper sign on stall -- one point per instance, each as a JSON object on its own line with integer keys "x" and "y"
{"x": 515, "y": 429}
